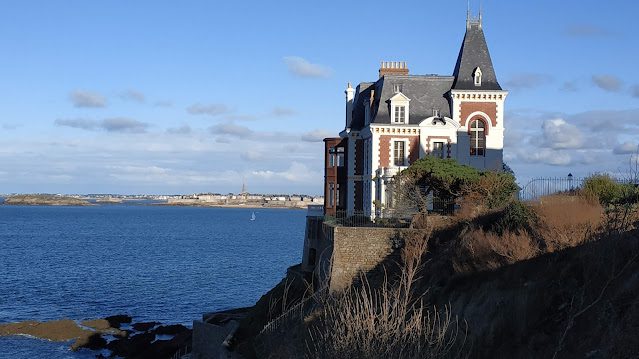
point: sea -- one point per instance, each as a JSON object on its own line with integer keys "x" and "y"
{"x": 155, "y": 263}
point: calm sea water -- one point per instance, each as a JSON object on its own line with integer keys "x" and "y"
{"x": 167, "y": 264}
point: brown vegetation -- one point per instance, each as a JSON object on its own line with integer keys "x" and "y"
{"x": 549, "y": 279}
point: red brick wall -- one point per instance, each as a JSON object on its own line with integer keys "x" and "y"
{"x": 489, "y": 108}
{"x": 385, "y": 148}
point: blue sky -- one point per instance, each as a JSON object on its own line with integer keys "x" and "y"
{"x": 167, "y": 97}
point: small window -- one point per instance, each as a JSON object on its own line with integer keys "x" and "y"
{"x": 477, "y": 138}
{"x": 400, "y": 114}
{"x": 438, "y": 150}
{"x": 399, "y": 153}
{"x": 331, "y": 194}
{"x": 339, "y": 157}
{"x": 477, "y": 76}
{"x": 435, "y": 113}
{"x": 397, "y": 88}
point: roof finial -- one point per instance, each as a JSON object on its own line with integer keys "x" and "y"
{"x": 468, "y": 16}
{"x": 480, "y": 14}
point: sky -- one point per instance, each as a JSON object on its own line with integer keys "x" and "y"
{"x": 201, "y": 96}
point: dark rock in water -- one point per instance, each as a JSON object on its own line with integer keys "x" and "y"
{"x": 117, "y": 320}
{"x": 144, "y": 346}
{"x": 171, "y": 329}
{"x": 132, "y": 347}
{"x": 143, "y": 327}
{"x": 93, "y": 342}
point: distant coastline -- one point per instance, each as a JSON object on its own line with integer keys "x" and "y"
{"x": 44, "y": 200}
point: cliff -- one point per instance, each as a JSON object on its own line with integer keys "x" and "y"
{"x": 558, "y": 279}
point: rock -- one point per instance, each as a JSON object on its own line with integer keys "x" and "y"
{"x": 171, "y": 329}
{"x": 93, "y": 342}
{"x": 116, "y": 321}
{"x": 55, "y": 330}
{"x": 143, "y": 327}
{"x": 134, "y": 346}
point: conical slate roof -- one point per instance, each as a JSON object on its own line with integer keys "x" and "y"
{"x": 473, "y": 54}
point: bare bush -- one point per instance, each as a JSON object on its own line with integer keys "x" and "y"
{"x": 482, "y": 250}
{"x": 388, "y": 321}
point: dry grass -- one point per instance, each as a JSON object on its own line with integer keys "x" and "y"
{"x": 568, "y": 221}
{"x": 389, "y": 321}
{"x": 481, "y": 250}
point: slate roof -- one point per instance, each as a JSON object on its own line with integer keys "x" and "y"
{"x": 474, "y": 53}
{"x": 428, "y": 92}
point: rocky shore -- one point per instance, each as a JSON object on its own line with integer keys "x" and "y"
{"x": 44, "y": 200}
{"x": 117, "y": 334}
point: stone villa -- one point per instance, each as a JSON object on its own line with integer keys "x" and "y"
{"x": 400, "y": 117}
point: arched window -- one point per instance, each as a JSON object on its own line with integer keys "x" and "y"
{"x": 477, "y": 138}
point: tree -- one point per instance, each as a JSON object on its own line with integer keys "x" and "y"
{"x": 449, "y": 180}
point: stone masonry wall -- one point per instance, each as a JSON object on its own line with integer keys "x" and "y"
{"x": 360, "y": 249}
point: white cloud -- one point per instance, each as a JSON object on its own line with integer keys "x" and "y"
{"x": 182, "y": 130}
{"x": 215, "y": 109}
{"x": 231, "y": 129}
{"x": 252, "y": 156}
{"x": 133, "y": 95}
{"x": 117, "y": 124}
{"x": 283, "y": 112}
{"x": 558, "y": 134}
{"x": 586, "y": 31}
{"x": 546, "y": 156}
{"x": 626, "y": 148}
{"x": 316, "y": 136}
{"x": 301, "y": 67}
{"x": 87, "y": 99}
{"x": 528, "y": 81}
{"x": 297, "y": 172}
{"x": 609, "y": 83}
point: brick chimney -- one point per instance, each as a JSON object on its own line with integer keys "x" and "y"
{"x": 393, "y": 68}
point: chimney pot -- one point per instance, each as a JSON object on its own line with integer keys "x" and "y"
{"x": 393, "y": 68}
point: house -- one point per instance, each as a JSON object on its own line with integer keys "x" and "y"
{"x": 401, "y": 117}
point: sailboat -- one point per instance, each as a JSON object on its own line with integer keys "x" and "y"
{"x": 253, "y": 216}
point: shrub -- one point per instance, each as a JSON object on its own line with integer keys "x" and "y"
{"x": 604, "y": 188}
{"x": 517, "y": 217}
{"x": 492, "y": 189}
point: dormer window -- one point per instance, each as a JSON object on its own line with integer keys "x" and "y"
{"x": 435, "y": 113}
{"x": 397, "y": 88}
{"x": 400, "y": 114}
{"x": 477, "y": 76}
{"x": 399, "y": 109}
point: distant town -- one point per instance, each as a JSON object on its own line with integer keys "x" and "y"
{"x": 243, "y": 199}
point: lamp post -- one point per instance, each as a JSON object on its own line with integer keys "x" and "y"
{"x": 570, "y": 182}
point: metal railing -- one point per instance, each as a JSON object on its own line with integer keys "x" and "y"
{"x": 385, "y": 219}
{"x": 540, "y": 187}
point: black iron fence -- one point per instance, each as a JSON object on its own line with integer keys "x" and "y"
{"x": 384, "y": 219}
{"x": 540, "y": 187}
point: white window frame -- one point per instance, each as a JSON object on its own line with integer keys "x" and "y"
{"x": 397, "y": 101}
{"x": 477, "y": 76}
{"x": 474, "y": 138}
{"x": 406, "y": 152}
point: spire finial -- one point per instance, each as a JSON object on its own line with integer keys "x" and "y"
{"x": 480, "y": 13}
{"x": 468, "y": 15}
